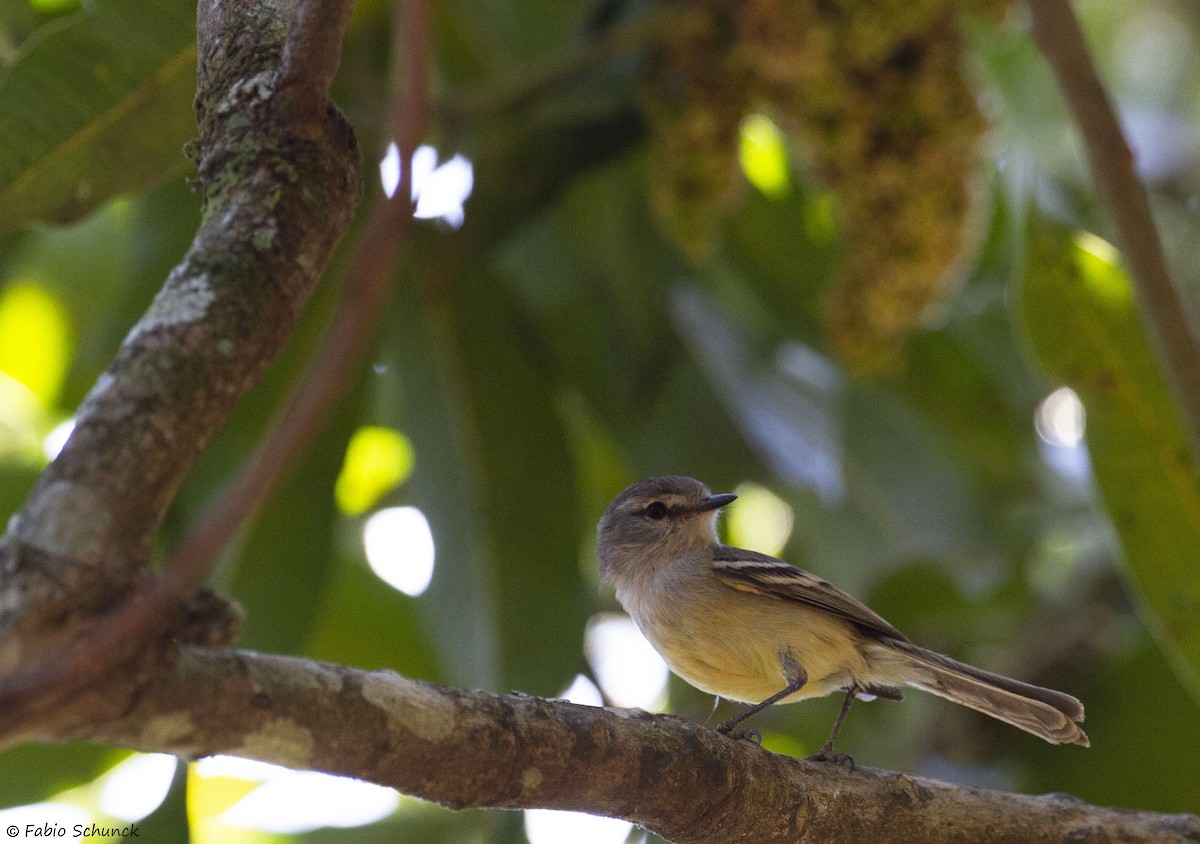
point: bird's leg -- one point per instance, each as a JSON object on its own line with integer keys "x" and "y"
{"x": 796, "y": 677}
{"x": 826, "y": 753}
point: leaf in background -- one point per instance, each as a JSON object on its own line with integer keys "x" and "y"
{"x": 1145, "y": 747}
{"x": 17, "y": 477}
{"x": 80, "y": 265}
{"x": 76, "y": 101}
{"x": 494, "y": 476}
{"x": 366, "y": 623}
{"x": 34, "y": 772}
{"x": 458, "y": 608}
{"x": 587, "y": 275}
{"x": 528, "y": 491}
{"x": 514, "y": 34}
{"x": 955, "y": 390}
{"x": 1079, "y": 311}
{"x": 885, "y": 486}
{"x": 377, "y": 461}
{"x": 789, "y": 409}
{"x": 590, "y": 279}
{"x": 35, "y": 341}
{"x": 284, "y": 563}
{"x": 786, "y": 250}
{"x": 914, "y": 494}
{"x": 17, "y": 21}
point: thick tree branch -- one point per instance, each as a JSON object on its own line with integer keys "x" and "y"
{"x": 1164, "y": 313}
{"x": 278, "y": 194}
{"x": 476, "y": 749}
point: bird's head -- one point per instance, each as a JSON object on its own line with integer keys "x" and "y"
{"x": 657, "y": 520}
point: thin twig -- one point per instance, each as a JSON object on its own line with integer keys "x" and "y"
{"x": 410, "y": 71}
{"x": 1164, "y": 313}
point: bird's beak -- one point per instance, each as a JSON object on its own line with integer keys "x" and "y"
{"x": 713, "y": 502}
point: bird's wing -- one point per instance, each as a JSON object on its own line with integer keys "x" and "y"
{"x": 750, "y": 571}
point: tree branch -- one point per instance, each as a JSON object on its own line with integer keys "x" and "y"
{"x": 278, "y": 195}
{"x": 312, "y": 54}
{"x": 1164, "y": 313}
{"x": 466, "y": 749}
{"x": 368, "y": 283}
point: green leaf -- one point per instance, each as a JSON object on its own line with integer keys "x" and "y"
{"x": 952, "y": 387}
{"x": 494, "y": 476}
{"x": 17, "y": 21}
{"x": 17, "y": 477}
{"x": 377, "y": 460}
{"x": 34, "y": 339}
{"x": 169, "y": 822}
{"x": 528, "y": 495}
{"x": 76, "y": 102}
{"x": 458, "y": 610}
{"x": 589, "y": 275}
{"x": 918, "y": 497}
{"x": 1078, "y": 307}
{"x": 35, "y": 772}
{"x": 284, "y": 563}
{"x": 364, "y": 622}
{"x": 1145, "y": 747}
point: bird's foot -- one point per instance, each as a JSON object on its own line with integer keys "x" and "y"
{"x": 727, "y": 729}
{"x": 828, "y": 754}
{"x": 752, "y": 736}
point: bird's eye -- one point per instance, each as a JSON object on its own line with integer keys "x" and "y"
{"x": 656, "y": 511}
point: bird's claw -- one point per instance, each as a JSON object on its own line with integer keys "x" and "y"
{"x": 753, "y": 736}
{"x": 829, "y": 755}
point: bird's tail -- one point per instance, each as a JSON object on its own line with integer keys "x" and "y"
{"x": 1046, "y": 713}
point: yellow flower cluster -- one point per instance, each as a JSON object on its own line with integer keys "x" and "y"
{"x": 874, "y": 96}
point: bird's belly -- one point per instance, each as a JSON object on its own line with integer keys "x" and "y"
{"x": 747, "y": 666}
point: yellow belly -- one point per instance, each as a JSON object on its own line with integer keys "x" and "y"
{"x": 742, "y": 661}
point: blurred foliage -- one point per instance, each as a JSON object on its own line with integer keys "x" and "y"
{"x": 887, "y": 120}
{"x": 1074, "y": 287}
{"x": 72, "y": 99}
{"x": 693, "y": 229}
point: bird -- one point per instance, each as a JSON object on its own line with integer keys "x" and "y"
{"x": 754, "y": 629}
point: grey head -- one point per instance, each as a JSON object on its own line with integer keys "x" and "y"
{"x": 655, "y": 521}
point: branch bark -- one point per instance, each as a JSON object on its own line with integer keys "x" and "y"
{"x": 353, "y": 326}
{"x": 279, "y": 190}
{"x": 466, "y": 749}
{"x": 1164, "y": 313}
